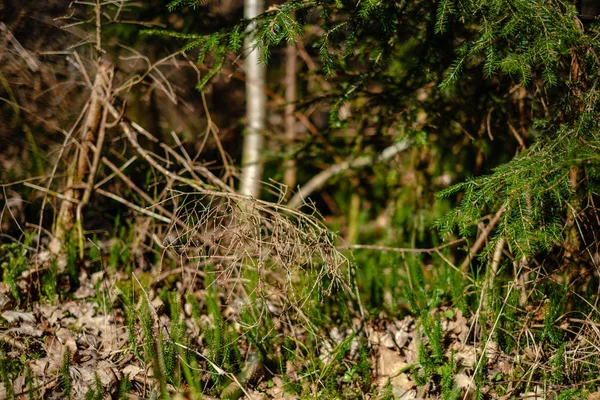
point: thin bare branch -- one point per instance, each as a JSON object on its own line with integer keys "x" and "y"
{"x": 133, "y": 206}
{"x": 400, "y": 249}
{"x": 319, "y": 180}
{"x": 482, "y": 238}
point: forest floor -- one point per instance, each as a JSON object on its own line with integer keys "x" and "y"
{"x": 86, "y": 344}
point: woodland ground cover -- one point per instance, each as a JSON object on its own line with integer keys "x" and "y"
{"x": 426, "y": 226}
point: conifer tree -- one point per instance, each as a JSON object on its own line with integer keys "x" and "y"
{"x": 529, "y": 65}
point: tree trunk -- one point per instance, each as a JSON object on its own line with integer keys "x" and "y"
{"x": 255, "y": 110}
{"x": 289, "y": 178}
{"x": 85, "y": 161}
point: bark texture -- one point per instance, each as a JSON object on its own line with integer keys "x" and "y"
{"x": 255, "y": 110}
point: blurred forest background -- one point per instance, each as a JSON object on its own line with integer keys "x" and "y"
{"x": 425, "y": 226}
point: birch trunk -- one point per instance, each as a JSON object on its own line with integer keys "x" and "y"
{"x": 255, "y": 110}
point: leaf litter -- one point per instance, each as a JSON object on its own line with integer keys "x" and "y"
{"x": 98, "y": 342}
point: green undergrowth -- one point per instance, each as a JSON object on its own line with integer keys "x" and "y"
{"x": 223, "y": 346}
{"x": 195, "y": 340}
{"x": 518, "y": 315}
